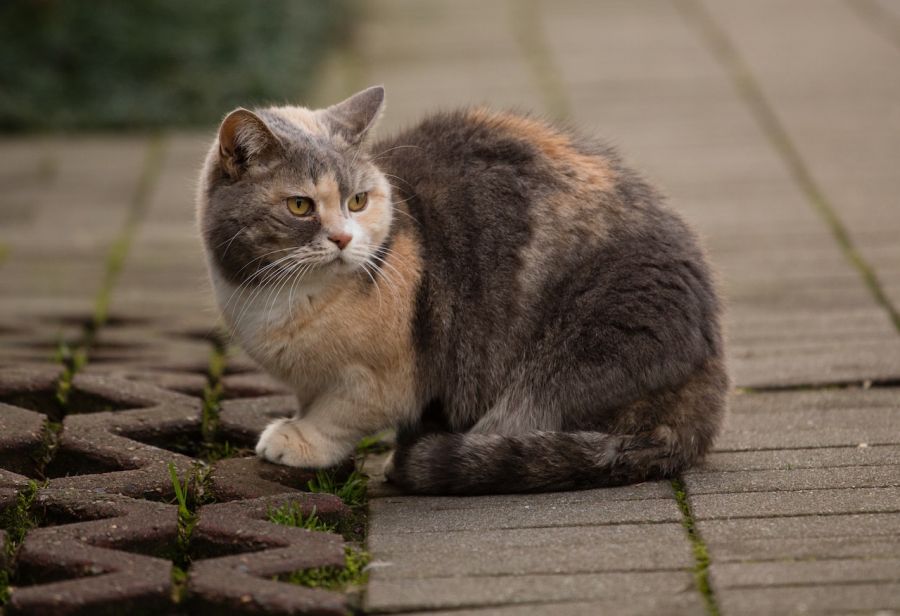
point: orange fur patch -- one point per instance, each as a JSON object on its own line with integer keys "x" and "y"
{"x": 556, "y": 146}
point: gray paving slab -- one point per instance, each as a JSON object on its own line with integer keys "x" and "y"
{"x": 640, "y": 491}
{"x": 860, "y": 525}
{"x": 460, "y": 592}
{"x": 527, "y": 537}
{"x": 834, "y": 598}
{"x": 668, "y": 605}
{"x": 412, "y": 517}
{"x": 793, "y": 573}
{"x": 797, "y": 479}
{"x": 673, "y": 554}
{"x": 820, "y": 418}
{"x": 795, "y": 459}
{"x": 791, "y": 550}
{"x": 804, "y": 502}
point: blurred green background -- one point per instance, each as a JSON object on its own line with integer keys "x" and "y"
{"x": 112, "y": 64}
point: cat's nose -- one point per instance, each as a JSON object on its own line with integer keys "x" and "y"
{"x": 340, "y": 238}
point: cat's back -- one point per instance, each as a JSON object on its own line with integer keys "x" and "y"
{"x": 515, "y": 198}
{"x": 531, "y": 232}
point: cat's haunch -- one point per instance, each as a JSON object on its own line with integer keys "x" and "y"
{"x": 511, "y": 280}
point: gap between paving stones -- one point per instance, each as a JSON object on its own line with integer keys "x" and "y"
{"x": 14, "y": 525}
{"x": 700, "y": 550}
{"x": 865, "y": 384}
{"x": 723, "y": 49}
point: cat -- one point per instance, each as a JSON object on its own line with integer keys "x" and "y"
{"x": 519, "y": 304}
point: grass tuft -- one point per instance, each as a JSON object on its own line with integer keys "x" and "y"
{"x": 17, "y": 520}
{"x": 291, "y": 515}
{"x": 351, "y": 490}
{"x": 46, "y": 451}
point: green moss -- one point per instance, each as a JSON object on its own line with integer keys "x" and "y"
{"x": 179, "y": 584}
{"x": 46, "y": 451}
{"x": 20, "y": 518}
{"x": 701, "y": 554}
{"x": 351, "y": 576}
{"x": 17, "y": 520}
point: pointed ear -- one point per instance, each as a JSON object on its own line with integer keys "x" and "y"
{"x": 352, "y": 118}
{"x": 244, "y": 139}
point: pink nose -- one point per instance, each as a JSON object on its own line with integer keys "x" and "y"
{"x": 341, "y": 239}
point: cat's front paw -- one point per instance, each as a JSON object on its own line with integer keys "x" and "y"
{"x": 293, "y": 443}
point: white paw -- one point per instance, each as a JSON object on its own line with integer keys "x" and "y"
{"x": 290, "y": 442}
{"x": 388, "y": 467}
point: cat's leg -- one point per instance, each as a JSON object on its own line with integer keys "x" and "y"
{"x": 334, "y": 422}
{"x": 306, "y": 442}
{"x": 516, "y": 412}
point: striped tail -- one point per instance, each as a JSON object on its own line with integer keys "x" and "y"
{"x": 476, "y": 463}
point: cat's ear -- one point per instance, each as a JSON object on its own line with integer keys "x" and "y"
{"x": 352, "y": 118}
{"x": 244, "y": 139}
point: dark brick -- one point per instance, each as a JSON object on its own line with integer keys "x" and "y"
{"x": 242, "y": 583}
{"x": 97, "y": 559}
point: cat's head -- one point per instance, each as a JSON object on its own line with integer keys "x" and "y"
{"x": 289, "y": 191}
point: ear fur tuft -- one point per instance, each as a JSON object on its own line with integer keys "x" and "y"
{"x": 244, "y": 138}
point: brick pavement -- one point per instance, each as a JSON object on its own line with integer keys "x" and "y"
{"x": 772, "y": 128}
{"x": 772, "y": 125}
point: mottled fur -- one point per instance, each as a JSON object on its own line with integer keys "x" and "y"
{"x": 539, "y": 320}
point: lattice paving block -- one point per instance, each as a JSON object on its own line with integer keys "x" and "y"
{"x": 244, "y": 582}
{"x": 94, "y": 554}
{"x": 21, "y": 434}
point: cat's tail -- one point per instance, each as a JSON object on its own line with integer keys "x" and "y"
{"x": 475, "y": 463}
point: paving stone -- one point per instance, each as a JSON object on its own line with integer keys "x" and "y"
{"x": 243, "y": 582}
{"x": 526, "y": 537}
{"x": 672, "y": 554}
{"x": 461, "y": 592}
{"x": 250, "y": 477}
{"x": 98, "y": 561}
{"x": 246, "y": 419}
{"x": 823, "y": 418}
{"x": 770, "y": 574}
{"x": 859, "y": 526}
{"x": 805, "y": 502}
{"x": 798, "y": 479}
{"x": 640, "y": 491}
{"x": 21, "y": 433}
{"x": 835, "y": 598}
{"x": 412, "y": 517}
{"x": 796, "y": 459}
{"x": 789, "y": 549}
{"x": 638, "y": 605}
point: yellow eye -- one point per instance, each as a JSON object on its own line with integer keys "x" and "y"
{"x": 300, "y": 206}
{"x": 357, "y": 202}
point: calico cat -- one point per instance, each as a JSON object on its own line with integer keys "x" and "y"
{"x": 517, "y": 302}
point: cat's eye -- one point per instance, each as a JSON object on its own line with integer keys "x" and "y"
{"x": 357, "y": 202}
{"x": 300, "y": 206}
